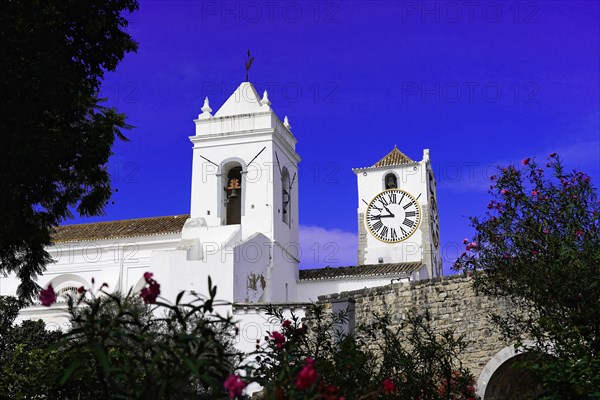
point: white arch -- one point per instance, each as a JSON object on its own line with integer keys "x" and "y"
{"x": 65, "y": 281}
{"x": 232, "y": 160}
{"x": 139, "y": 285}
{"x": 495, "y": 362}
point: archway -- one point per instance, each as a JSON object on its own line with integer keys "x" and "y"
{"x": 234, "y": 195}
{"x": 285, "y": 196}
{"x": 66, "y": 285}
{"x": 390, "y": 181}
{"x": 504, "y": 379}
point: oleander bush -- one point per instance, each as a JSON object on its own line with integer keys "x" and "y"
{"x": 137, "y": 346}
{"x": 539, "y": 246}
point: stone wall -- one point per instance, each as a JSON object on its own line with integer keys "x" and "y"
{"x": 452, "y": 303}
{"x": 362, "y": 239}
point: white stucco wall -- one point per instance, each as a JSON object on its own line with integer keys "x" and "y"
{"x": 254, "y": 325}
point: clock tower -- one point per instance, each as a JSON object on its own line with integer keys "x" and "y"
{"x": 397, "y": 213}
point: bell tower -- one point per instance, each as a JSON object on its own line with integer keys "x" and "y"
{"x": 245, "y": 168}
{"x": 397, "y": 214}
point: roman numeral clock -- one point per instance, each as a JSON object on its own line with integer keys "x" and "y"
{"x": 393, "y": 215}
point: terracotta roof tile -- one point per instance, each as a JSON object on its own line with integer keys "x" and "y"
{"x": 119, "y": 229}
{"x": 359, "y": 271}
{"x": 394, "y": 157}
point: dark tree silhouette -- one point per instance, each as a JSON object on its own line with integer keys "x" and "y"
{"x": 56, "y": 135}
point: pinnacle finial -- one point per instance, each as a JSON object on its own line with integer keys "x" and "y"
{"x": 286, "y": 123}
{"x": 206, "y": 108}
{"x": 265, "y": 100}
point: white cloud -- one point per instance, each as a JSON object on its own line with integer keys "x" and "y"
{"x": 321, "y": 247}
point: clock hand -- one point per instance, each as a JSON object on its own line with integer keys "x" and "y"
{"x": 382, "y": 216}
{"x": 388, "y": 210}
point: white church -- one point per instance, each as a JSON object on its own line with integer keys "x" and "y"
{"x": 242, "y": 229}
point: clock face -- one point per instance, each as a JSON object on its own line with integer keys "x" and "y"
{"x": 393, "y": 215}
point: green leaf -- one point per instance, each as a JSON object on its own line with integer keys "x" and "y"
{"x": 69, "y": 371}
{"x": 101, "y": 356}
{"x": 179, "y": 296}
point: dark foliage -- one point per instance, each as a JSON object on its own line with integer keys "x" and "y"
{"x": 56, "y": 135}
{"x": 386, "y": 358}
{"x": 539, "y": 245}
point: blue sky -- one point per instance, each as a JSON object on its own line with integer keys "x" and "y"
{"x": 478, "y": 83}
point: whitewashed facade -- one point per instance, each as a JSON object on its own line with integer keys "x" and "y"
{"x": 242, "y": 229}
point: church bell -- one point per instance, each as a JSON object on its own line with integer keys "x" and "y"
{"x": 232, "y": 188}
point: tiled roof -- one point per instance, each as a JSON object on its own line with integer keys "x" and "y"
{"x": 359, "y": 271}
{"x": 394, "y": 157}
{"x": 119, "y": 229}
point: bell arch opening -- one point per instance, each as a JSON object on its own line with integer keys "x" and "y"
{"x": 390, "y": 181}
{"x": 233, "y": 189}
{"x": 285, "y": 196}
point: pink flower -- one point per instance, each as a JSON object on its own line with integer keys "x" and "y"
{"x": 278, "y": 339}
{"x": 234, "y": 385}
{"x": 465, "y": 241}
{"x": 525, "y": 161}
{"x": 150, "y": 292}
{"x": 148, "y": 277}
{"x": 47, "y": 296}
{"x": 287, "y": 324}
{"x": 470, "y": 246}
{"x": 388, "y": 386}
{"x": 80, "y": 289}
{"x": 505, "y": 256}
{"x": 534, "y": 252}
{"x": 579, "y": 232}
{"x": 534, "y": 192}
{"x": 552, "y": 155}
{"x": 504, "y": 191}
{"x": 546, "y": 231}
{"x": 307, "y": 375}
